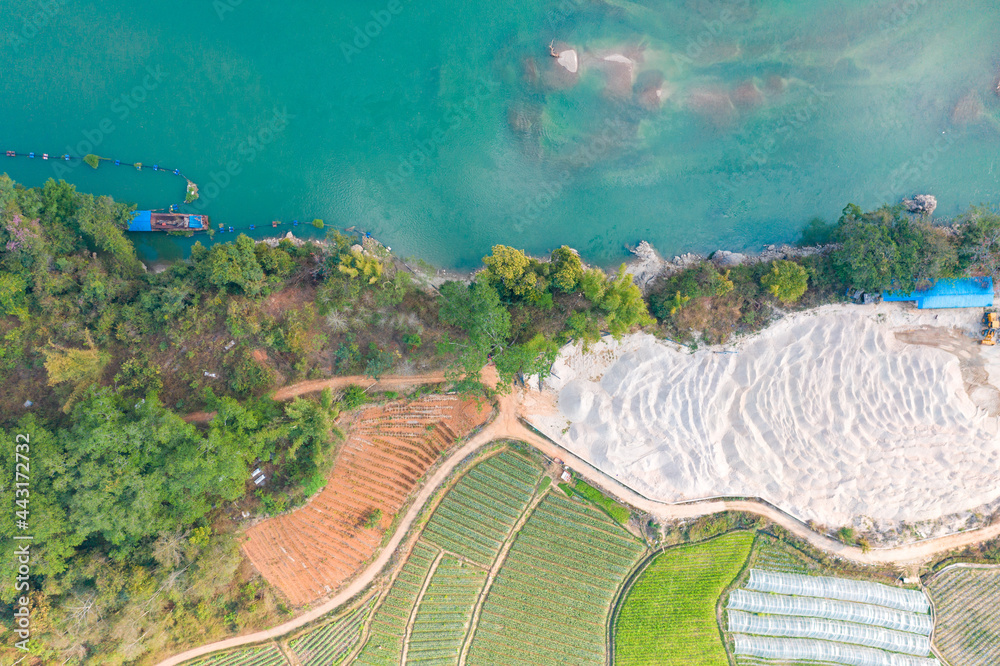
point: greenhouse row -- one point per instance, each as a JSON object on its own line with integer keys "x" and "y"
{"x": 838, "y": 588}
{"x": 878, "y": 616}
{"x": 843, "y": 632}
{"x": 788, "y": 649}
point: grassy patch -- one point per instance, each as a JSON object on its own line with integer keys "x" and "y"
{"x": 618, "y": 513}
{"x": 669, "y": 615}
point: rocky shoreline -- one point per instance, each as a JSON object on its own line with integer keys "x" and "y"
{"x": 647, "y": 264}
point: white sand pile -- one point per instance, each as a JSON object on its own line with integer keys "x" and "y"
{"x": 826, "y": 414}
{"x": 569, "y": 60}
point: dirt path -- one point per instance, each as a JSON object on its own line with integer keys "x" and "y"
{"x": 336, "y": 383}
{"x": 507, "y": 425}
{"x": 388, "y": 382}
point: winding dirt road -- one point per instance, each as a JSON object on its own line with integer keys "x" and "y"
{"x": 508, "y": 425}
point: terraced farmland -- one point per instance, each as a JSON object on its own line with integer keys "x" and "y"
{"x": 478, "y": 513}
{"x": 260, "y": 656}
{"x": 460, "y": 542}
{"x": 444, "y": 613}
{"x": 669, "y": 615}
{"x": 550, "y": 601}
{"x": 310, "y": 552}
{"x": 968, "y": 628}
{"x": 330, "y": 643}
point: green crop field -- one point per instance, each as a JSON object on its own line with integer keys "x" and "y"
{"x": 617, "y": 512}
{"x": 967, "y": 599}
{"x": 477, "y": 515}
{"x": 260, "y": 656}
{"x": 443, "y": 617}
{"x": 328, "y": 644}
{"x": 385, "y": 644}
{"x": 551, "y": 599}
{"x": 669, "y": 615}
{"x": 469, "y": 527}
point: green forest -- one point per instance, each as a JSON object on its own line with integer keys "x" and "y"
{"x": 135, "y": 551}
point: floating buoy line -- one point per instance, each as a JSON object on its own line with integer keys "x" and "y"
{"x": 191, "y": 191}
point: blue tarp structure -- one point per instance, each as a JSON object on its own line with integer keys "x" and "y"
{"x": 141, "y": 221}
{"x": 194, "y": 222}
{"x": 959, "y": 293}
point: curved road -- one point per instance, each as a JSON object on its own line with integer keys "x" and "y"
{"x": 508, "y": 425}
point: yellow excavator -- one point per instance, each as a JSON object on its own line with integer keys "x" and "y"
{"x": 991, "y": 328}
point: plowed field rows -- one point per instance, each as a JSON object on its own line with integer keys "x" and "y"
{"x": 385, "y": 645}
{"x": 328, "y": 644}
{"x": 310, "y": 552}
{"x": 445, "y": 610}
{"x": 968, "y": 629}
{"x": 265, "y": 656}
{"x": 478, "y": 513}
{"x": 551, "y": 599}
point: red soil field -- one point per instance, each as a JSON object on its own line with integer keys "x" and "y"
{"x": 313, "y": 550}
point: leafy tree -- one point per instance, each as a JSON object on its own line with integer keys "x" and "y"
{"x": 567, "y": 269}
{"x": 883, "y": 249}
{"x": 12, "y": 296}
{"x": 80, "y": 367}
{"x": 786, "y": 281}
{"x": 979, "y": 243}
{"x": 510, "y": 270}
{"x": 619, "y": 298}
{"x": 230, "y": 267}
{"x": 356, "y": 264}
{"x": 478, "y": 311}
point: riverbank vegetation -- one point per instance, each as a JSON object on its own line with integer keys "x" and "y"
{"x": 132, "y": 507}
{"x": 134, "y": 510}
{"x": 863, "y": 253}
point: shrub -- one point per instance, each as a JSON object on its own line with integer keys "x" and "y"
{"x": 354, "y": 397}
{"x": 372, "y": 519}
{"x": 786, "y": 281}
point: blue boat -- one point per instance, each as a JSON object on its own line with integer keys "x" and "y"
{"x": 147, "y": 220}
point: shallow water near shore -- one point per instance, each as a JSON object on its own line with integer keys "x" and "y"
{"x": 448, "y": 127}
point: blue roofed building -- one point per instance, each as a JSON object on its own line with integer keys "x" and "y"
{"x": 956, "y": 293}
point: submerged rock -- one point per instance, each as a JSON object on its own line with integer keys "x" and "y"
{"x": 969, "y": 109}
{"x": 922, "y": 204}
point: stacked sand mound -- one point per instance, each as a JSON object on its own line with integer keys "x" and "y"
{"x": 827, "y": 414}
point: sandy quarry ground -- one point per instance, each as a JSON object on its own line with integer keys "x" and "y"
{"x": 871, "y": 415}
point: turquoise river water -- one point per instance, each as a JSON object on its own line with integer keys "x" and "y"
{"x": 444, "y": 127}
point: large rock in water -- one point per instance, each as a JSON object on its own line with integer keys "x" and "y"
{"x": 922, "y": 204}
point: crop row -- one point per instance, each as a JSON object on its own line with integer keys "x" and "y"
{"x": 329, "y": 644}
{"x": 443, "y": 615}
{"x": 966, "y": 600}
{"x": 477, "y": 515}
{"x": 550, "y": 601}
{"x": 261, "y": 656}
{"x": 385, "y": 643}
